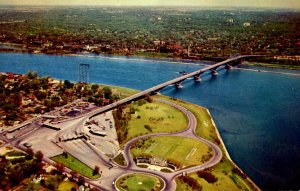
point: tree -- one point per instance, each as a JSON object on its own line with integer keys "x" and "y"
{"x": 74, "y": 174}
{"x": 96, "y": 170}
{"x": 95, "y": 88}
{"x": 81, "y": 180}
{"x": 30, "y": 153}
{"x": 60, "y": 167}
{"x": 207, "y": 175}
{"x": 16, "y": 175}
{"x": 191, "y": 182}
{"x": 65, "y": 154}
{"x": 68, "y": 84}
{"x": 39, "y": 156}
{"x": 107, "y": 92}
{"x": 32, "y": 75}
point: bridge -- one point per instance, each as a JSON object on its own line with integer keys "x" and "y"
{"x": 233, "y": 60}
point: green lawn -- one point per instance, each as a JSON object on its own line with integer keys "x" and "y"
{"x": 205, "y": 128}
{"x": 123, "y": 92}
{"x": 160, "y": 117}
{"x": 186, "y": 151}
{"x": 75, "y": 164}
{"x": 66, "y": 185}
{"x": 138, "y": 182}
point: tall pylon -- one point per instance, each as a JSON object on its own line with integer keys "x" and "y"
{"x": 83, "y": 73}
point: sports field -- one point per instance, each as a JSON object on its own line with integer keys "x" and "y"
{"x": 186, "y": 151}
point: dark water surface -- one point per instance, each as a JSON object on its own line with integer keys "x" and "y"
{"x": 257, "y": 113}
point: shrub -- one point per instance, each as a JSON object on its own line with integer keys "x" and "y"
{"x": 208, "y": 176}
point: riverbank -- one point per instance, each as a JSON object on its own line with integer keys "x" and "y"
{"x": 227, "y": 153}
{"x": 270, "y": 65}
{"x": 152, "y": 56}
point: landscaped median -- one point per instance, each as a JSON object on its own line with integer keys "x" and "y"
{"x": 76, "y": 165}
{"x": 139, "y": 181}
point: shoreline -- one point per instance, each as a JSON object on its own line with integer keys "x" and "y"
{"x": 227, "y": 153}
{"x": 172, "y": 61}
{"x": 124, "y": 57}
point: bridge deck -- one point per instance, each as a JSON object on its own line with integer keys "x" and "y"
{"x": 162, "y": 85}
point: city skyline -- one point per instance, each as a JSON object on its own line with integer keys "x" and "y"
{"x": 221, "y": 3}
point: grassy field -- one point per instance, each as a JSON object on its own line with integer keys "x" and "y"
{"x": 138, "y": 182}
{"x": 185, "y": 151}
{"x": 124, "y": 92}
{"x": 75, "y": 164}
{"x": 205, "y": 128}
{"x": 66, "y": 185}
{"x": 227, "y": 180}
{"x": 223, "y": 172}
{"x": 160, "y": 117}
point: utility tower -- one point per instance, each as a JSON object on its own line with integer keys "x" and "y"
{"x": 83, "y": 73}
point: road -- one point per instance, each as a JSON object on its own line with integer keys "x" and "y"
{"x": 111, "y": 174}
{"x": 189, "y": 132}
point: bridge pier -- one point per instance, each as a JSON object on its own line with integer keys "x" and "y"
{"x": 179, "y": 85}
{"x": 213, "y": 72}
{"x": 228, "y": 66}
{"x": 238, "y": 62}
{"x": 197, "y": 78}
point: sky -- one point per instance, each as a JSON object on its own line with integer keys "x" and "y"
{"x": 221, "y": 3}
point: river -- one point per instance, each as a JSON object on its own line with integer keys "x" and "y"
{"x": 257, "y": 113}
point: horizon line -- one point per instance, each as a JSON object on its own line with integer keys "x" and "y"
{"x": 162, "y": 6}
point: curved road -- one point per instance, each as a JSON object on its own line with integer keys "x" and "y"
{"x": 189, "y": 132}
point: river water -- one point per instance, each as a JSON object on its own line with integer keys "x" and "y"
{"x": 257, "y": 113}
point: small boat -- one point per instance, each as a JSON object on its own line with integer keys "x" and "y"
{"x": 183, "y": 73}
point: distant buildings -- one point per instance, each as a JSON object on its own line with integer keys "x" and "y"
{"x": 247, "y": 24}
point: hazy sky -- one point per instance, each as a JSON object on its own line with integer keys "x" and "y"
{"x": 251, "y": 3}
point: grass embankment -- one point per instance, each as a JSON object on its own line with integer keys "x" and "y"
{"x": 155, "y": 117}
{"x": 181, "y": 150}
{"x": 228, "y": 176}
{"x": 76, "y": 165}
{"x": 137, "y": 182}
{"x": 273, "y": 65}
{"x": 124, "y": 92}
